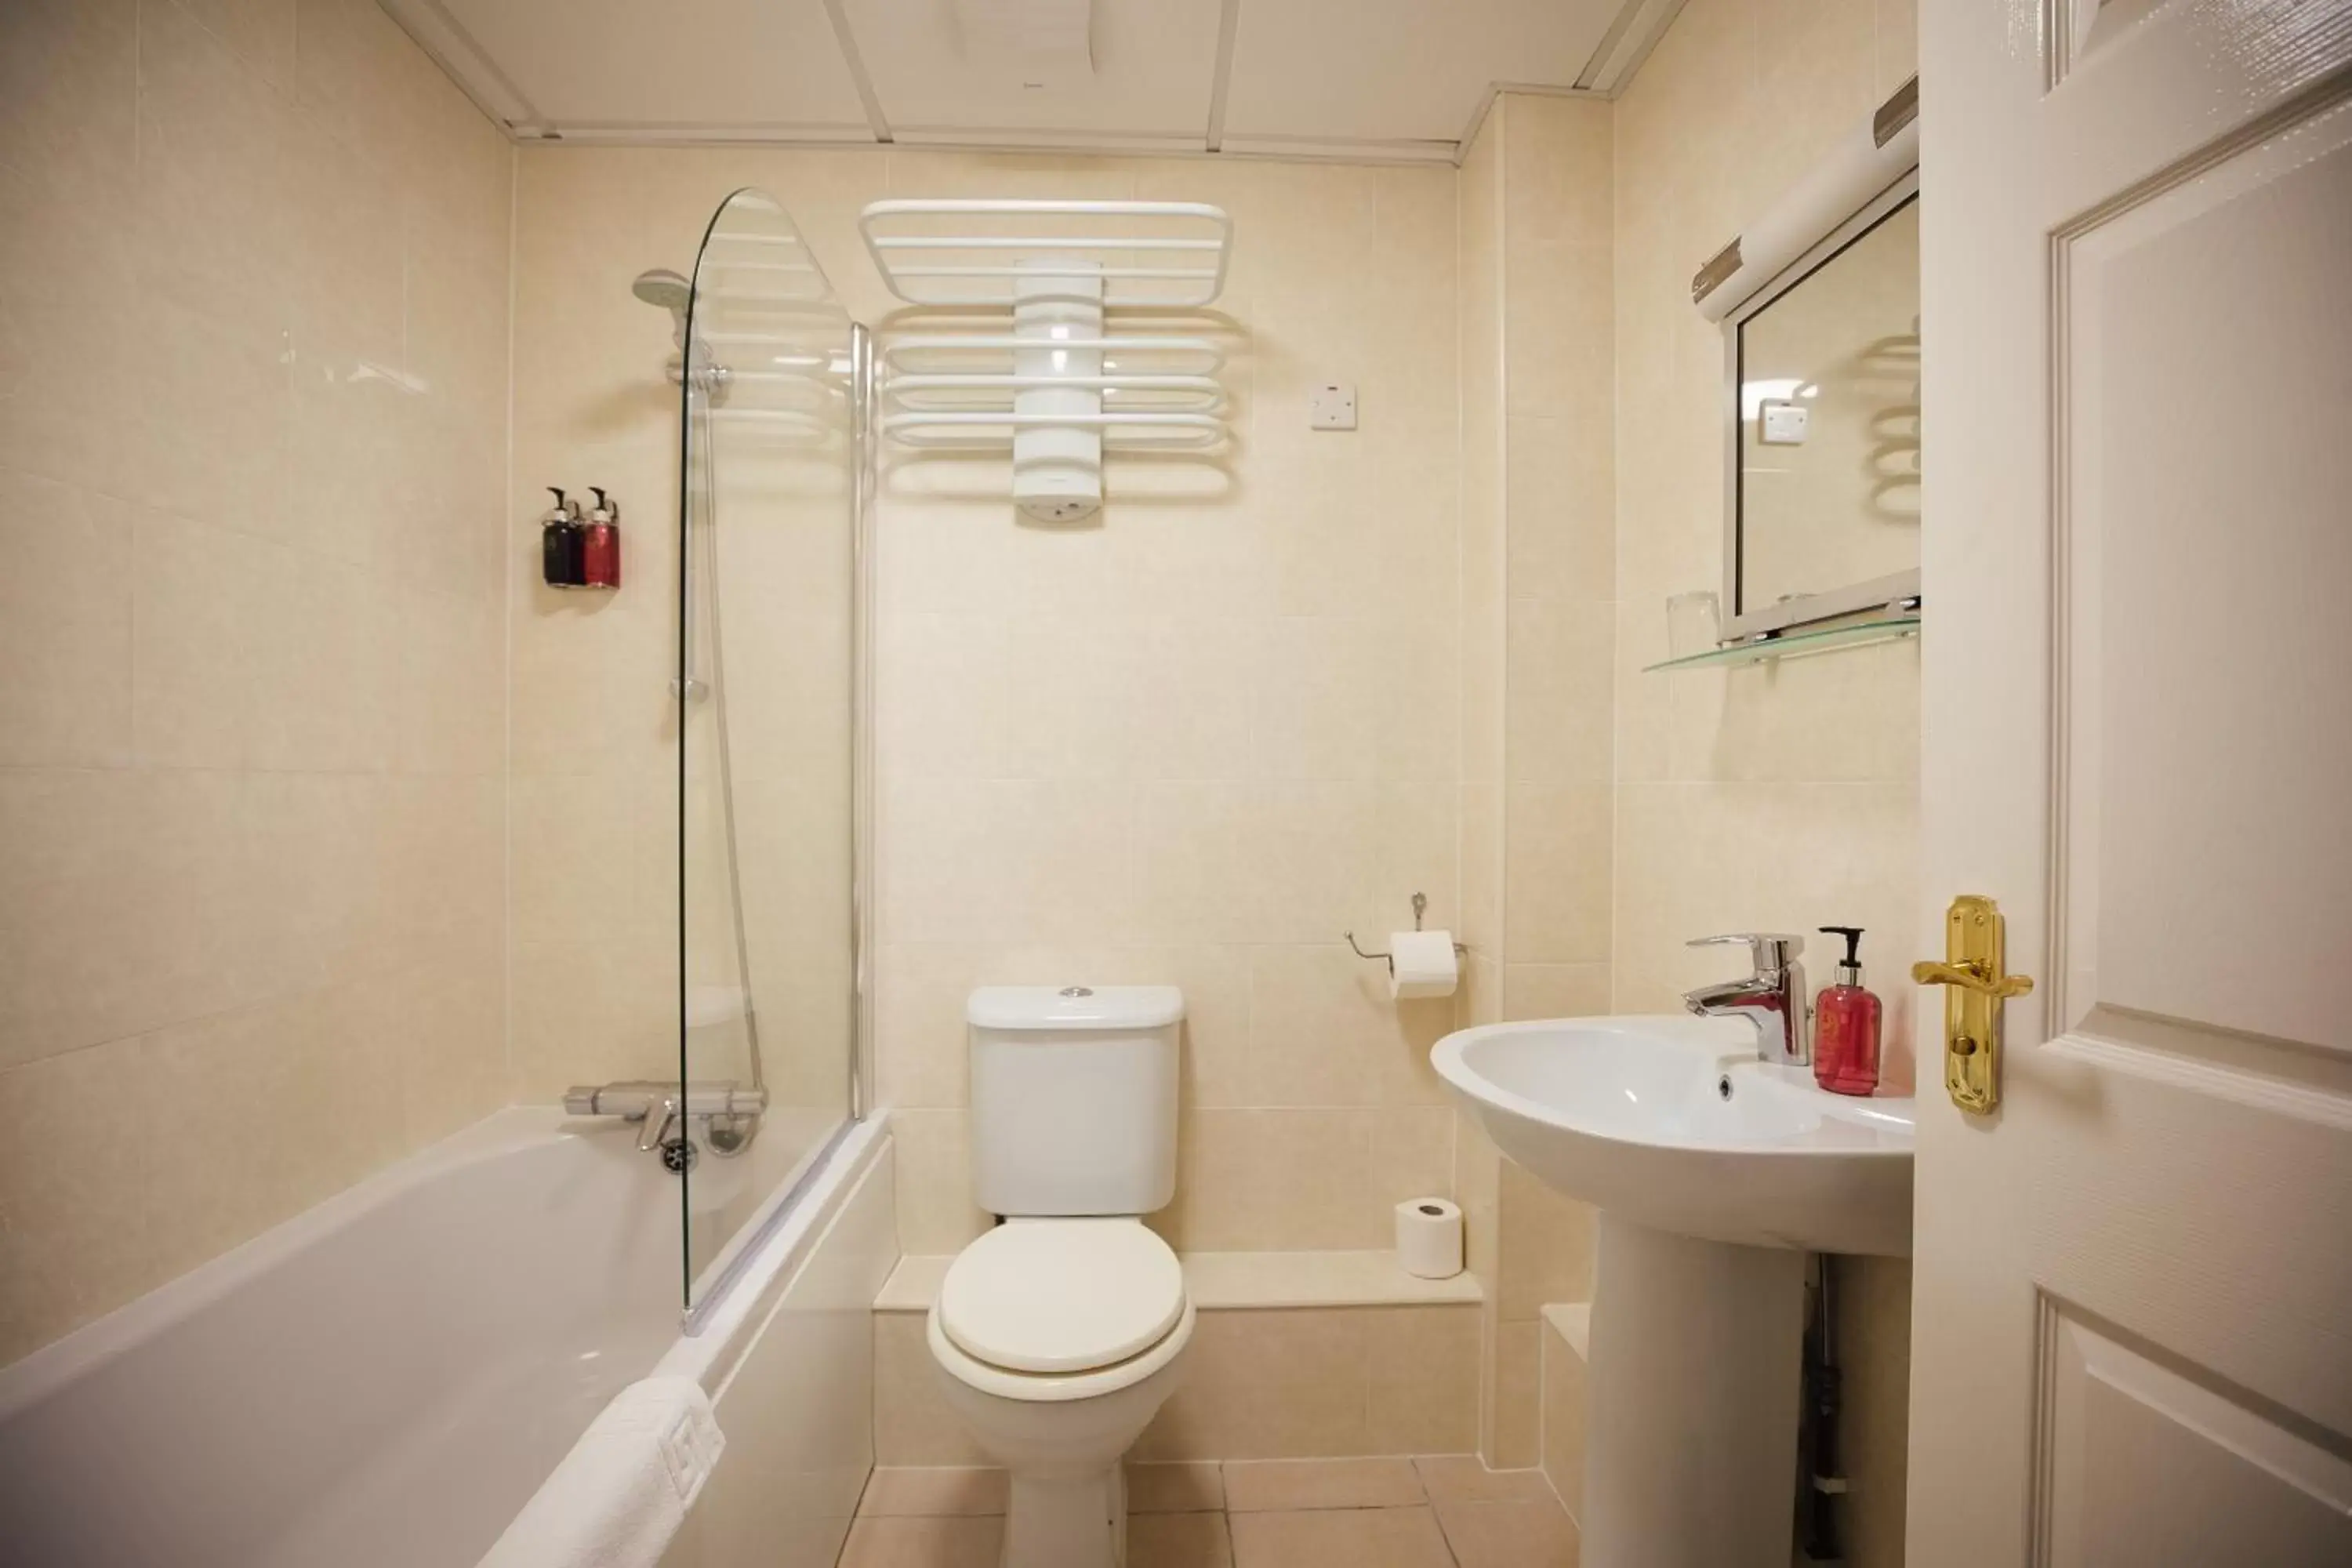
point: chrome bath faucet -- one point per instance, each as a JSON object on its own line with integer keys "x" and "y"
{"x": 728, "y": 1112}
{"x": 1774, "y": 998}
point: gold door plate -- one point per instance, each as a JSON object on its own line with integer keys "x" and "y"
{"x": 1976, "y": 983}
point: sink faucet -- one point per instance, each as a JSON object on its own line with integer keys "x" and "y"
{"x": 1774, "y": 998}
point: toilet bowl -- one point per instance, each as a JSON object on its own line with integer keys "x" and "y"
{"x": 1060, "y": 1333}
{"x": 1057, "y": 1341}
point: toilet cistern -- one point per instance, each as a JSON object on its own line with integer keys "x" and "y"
{"x": 1774, "y": 998}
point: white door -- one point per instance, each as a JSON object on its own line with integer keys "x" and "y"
{"x": 2132, "y": 1331}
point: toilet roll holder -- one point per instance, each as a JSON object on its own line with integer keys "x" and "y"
{"x": 1419, "y": 905}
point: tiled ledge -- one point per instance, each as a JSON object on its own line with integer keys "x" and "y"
{"x": 914, "y": 1285}
{"x": 1567, "y": 1347}
{"x": 1227, "y": 1281}
{"x": 1573, "y": 1323}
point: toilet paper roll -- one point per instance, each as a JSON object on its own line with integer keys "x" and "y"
{"x": 1429, "y": 1237}
{"x": 1420, "y": 964}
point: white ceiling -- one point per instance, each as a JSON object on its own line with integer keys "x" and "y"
{"x": 1366, "y": 79}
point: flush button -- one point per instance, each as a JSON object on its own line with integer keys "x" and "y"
{"x": 1077, "y": 991}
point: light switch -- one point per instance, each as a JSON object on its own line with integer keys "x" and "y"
{"x": 1783, "y": 424}
{"x": 1332, "y": 408}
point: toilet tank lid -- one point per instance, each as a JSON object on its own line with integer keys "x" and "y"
{"x": 1074, "y": 1007}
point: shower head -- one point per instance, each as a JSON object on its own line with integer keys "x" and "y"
{"x": 663, "y": 288}
{"x": 673, "y": 293}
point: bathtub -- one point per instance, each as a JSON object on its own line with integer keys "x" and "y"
{"x": 384, "y": 1381}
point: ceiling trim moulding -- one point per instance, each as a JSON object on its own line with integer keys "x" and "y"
{"x": 867, "y": 97}
{"x": 1026, "y": 139}
{"x": 1229, "y": 27}
{"x": 624, "y": 133}
{"x": 1340, "y": 150}
{"x": 1626, "y": 44}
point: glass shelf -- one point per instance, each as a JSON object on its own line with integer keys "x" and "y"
{"x": 1796, "y": 645}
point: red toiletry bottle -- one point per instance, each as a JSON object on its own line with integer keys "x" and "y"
{"x": 600, "y": 552}
{"x": 1846, "y": 1026}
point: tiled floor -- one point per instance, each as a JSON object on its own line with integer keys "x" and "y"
{"x": 1263, "y": 1513}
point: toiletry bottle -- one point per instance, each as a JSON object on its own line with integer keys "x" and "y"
{"x": 600, "y": 554}
{"x": 555, "y": 545}
{"x": 575, "y": 533}
{"x": 1846, "y": 1025}
{"x": 575, "y": 546}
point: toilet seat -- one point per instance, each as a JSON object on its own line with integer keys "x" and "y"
{"x": 1061, "y": 1308}
{"x": 1053, "y": 1388}
{"x": 1062, "y": 1295}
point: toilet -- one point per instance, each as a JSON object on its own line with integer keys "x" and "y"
{"x": 1059, "y": 1333}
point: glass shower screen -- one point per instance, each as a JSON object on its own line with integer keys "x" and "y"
{"x": 765, "y": 700}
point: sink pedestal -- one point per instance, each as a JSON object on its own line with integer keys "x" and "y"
{"x": 1692, "y": 1402}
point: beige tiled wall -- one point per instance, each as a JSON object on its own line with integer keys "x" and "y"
{"x": 253, "y": 375}
{"x": 1192, "y": 741}
{"x": 1537, "y": 611}
{"x": 1771, "y": 797}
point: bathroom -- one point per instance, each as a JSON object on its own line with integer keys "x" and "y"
{"x": 534, "y": 1028}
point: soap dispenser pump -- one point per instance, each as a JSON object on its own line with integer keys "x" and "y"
{"x": 1846, "y": 1025}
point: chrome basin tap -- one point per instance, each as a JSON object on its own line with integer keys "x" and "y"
{"x": 1774, "y": 998}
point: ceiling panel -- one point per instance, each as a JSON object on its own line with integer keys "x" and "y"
{"x": 1154, "y": 71}
{"x": 737, "y": 63}
{"x": 1349, "y": 79}
{"x": 1373, "y": 71}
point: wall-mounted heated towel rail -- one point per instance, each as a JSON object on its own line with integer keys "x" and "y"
{"x": 1060, "y": 386}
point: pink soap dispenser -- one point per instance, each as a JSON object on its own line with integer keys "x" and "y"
{"x": 1846, "y": 1025}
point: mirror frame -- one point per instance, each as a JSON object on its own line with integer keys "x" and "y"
{"x": 1740, "y": 624}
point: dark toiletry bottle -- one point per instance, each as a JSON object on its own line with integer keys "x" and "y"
{"x": 600, "y": 554}
{"x": 575, "y": 546}
{"x": 1846, "y": 1025}
{"x": 562, "y": 537}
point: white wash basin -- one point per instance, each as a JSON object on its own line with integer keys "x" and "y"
{"x": 1672, "y": 1122}
{"x": 1711, "y": 1171}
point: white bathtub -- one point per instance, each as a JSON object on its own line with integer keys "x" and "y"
{"x": 384, "y": 1381}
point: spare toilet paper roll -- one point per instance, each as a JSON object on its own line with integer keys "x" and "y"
{"x": 1420, "y": 964}
{"x": 1429, "y": 1237}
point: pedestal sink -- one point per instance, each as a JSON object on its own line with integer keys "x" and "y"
{"x": 1714, "y": 1174}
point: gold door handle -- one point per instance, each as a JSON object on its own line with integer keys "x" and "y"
{"x": 1976, "y": 983}
{"x": 1969, "y": 976}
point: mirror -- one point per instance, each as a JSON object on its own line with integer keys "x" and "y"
{"x": 1824, "y": 519}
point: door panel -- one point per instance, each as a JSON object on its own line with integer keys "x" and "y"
{"x": 2130, "y": 1335}
{"x": 2205, "y": 363}
{"x": 2145, "y": 1464}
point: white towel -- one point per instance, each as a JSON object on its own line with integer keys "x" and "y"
{"x": 622, "y": 1491}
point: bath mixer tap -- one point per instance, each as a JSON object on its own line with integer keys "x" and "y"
{"x": 729, "y": 1112}
{"x": 1774, "y": 998}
